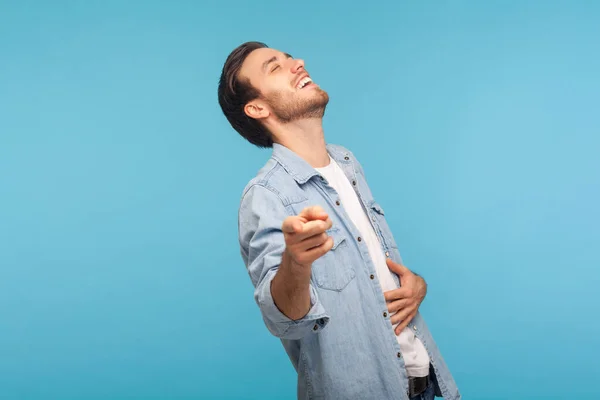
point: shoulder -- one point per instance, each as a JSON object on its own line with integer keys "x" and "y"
{"x": 274, "y": 184}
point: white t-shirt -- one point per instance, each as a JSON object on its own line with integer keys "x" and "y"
{"x": 414, "y": 353}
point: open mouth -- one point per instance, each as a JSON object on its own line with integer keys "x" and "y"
{"x": 304, "y": 82}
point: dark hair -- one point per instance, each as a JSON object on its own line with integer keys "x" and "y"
{"x": 235, "y": 93}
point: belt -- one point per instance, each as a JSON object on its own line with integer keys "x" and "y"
{"x": 417, "y": 385}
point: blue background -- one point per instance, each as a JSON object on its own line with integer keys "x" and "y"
{"x": 120, "y": 275}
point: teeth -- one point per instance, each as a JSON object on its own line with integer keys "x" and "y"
{"x": 303, "y": 82}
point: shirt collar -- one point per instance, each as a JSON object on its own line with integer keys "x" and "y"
{"x": 297, "y": 167}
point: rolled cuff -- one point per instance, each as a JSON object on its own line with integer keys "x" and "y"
{"x": 282, "y": 326}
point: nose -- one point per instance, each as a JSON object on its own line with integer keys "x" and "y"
{"x": 297, "y": 65}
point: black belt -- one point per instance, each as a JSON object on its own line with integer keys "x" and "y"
{"x": 417, "y": 385}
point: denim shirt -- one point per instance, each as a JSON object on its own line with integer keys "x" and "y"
{"x": 345, "y": 347}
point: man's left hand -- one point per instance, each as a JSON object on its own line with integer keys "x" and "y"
{"x": 405, "y": 301}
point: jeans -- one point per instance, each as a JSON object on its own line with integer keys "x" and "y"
{"x": 428, "y": 394}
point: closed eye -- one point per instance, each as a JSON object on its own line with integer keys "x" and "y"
{"x": 273, "y": 60}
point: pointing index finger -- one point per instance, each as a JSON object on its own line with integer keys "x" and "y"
{"x": 314, "y": 212}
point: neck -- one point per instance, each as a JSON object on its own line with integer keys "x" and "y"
{"x": 305, "y": 138}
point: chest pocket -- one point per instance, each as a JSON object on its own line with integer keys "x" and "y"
{"x": 379, "y": 219}
{"x": 333, "y": 271}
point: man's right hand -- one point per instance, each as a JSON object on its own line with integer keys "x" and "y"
{"x": 305, "y": 236}
{"x": 305, "y": 241}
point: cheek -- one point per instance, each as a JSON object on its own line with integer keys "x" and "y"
{"x": 279, "y": 95}
{"x": 280, "y": 85}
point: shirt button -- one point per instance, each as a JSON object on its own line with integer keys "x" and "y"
{"x": 384, "y": 314}
{"x": 337, "y": 203}
{"x": 415, "y": 327}
{"x": 315, "y": 327}
{"x": 372, "y": 276}
{"x": 359, "y": 239}
{"x": 387, "y": 253}
{"x": 373, "y": 218}
{"x": 354, "y": 183}
{"x": 346, "y": 158}
{"x": 399, "y": 355}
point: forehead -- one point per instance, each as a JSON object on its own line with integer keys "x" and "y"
{"x": 253, "y": 64}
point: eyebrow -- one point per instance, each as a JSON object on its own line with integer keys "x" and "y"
{"x": 269, "y": 61}
{"x": 273, "y": 59}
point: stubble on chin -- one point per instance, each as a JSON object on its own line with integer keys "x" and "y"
{"x": 296, "y": 109}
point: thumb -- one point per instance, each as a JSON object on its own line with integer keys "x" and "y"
{"x": 397, "y": 268}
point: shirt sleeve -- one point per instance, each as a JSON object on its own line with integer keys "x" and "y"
{"x": 262, "y": 245}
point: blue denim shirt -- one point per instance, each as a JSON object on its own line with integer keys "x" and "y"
{"x": 345, "y": 347}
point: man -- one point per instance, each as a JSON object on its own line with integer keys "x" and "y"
{"x": 328, "y": 276}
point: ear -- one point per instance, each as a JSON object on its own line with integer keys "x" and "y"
{"x": 256, "y": 109}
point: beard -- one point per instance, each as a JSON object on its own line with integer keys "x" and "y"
{"x": 289, "y": 107}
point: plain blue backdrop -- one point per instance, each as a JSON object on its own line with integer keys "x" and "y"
{"x": 478, "y": 126}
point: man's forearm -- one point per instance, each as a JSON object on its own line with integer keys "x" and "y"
{"x": 290, "y": 288}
